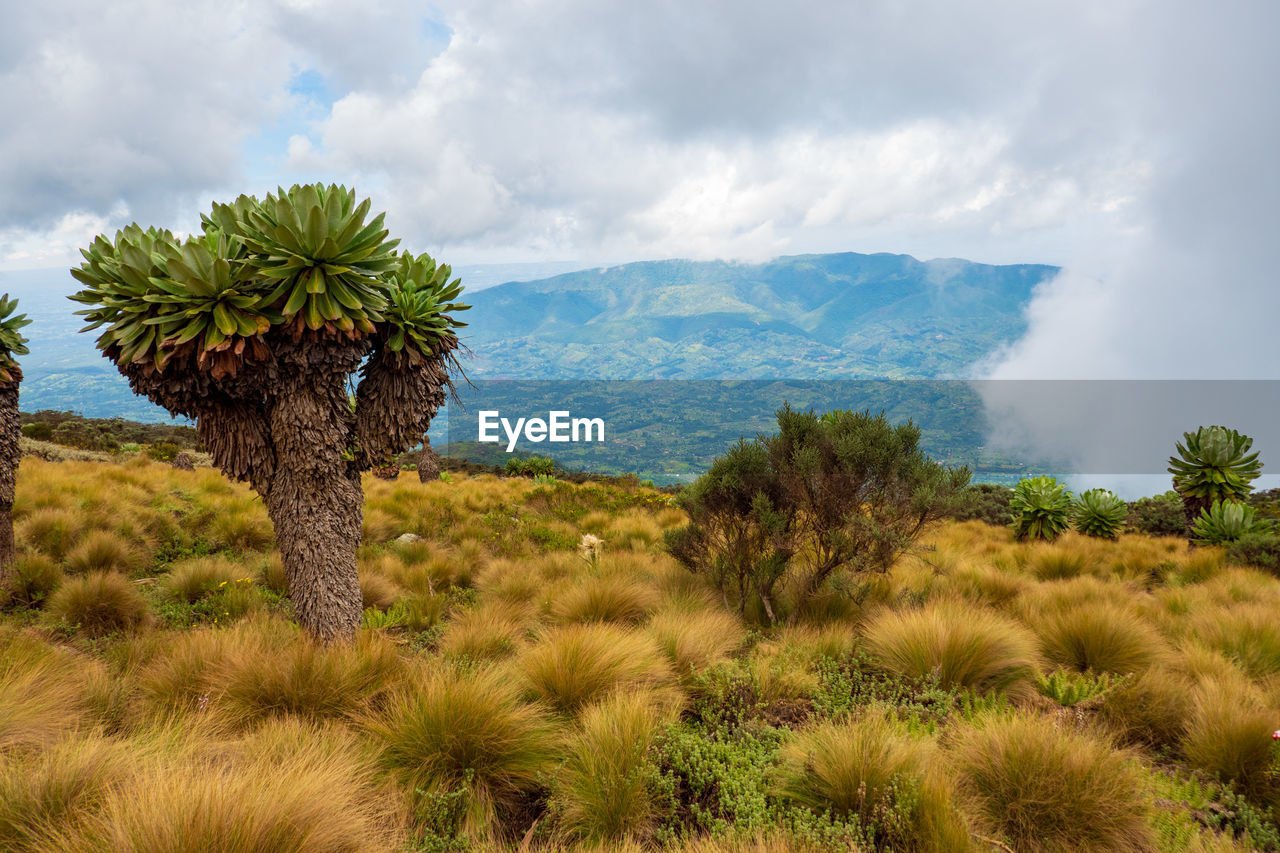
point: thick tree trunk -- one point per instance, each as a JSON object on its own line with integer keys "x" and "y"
{"x": 1191, "y": 509}
{"x": 10, "y": 456}
{"x": 314, "y": 500}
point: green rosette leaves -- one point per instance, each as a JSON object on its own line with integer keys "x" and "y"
{"x": 419, "y": 316}
{"x": 1227, "y": 521}
{"x": 12, "y": 342}
{"x": 1214, "y": 463}
{"x": 313, "y": 248}
{"x": 303, "y": 261}
{"x": 1099, "y": 513}
{"x": 1041, "y": 508}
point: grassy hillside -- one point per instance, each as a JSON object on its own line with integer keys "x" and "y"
{"x": 806, "y": 316}
{"x": 518, "y": 687}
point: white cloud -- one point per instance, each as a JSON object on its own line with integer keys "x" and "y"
{"x": 29, "y": 249}
{"x": 1131, "y": 141}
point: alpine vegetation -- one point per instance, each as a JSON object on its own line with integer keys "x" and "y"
{"x": 1041, "y": 508}
{"x": 1099, "y": 513}
{"x": 1214, "y": 464}
{"x": 826, "y": 500}
{"x": 253, "y": 327}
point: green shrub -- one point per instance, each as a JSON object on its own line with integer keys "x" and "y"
{"x": 1069, "y": 688}
{"x": 163, "y": 451}
{"x": 99, "y": 603}
{"x": 984, "y": 502}
{"x": 1162, "y": 515}
{"x": 532, "y": 466}
{"x": 1049, "y": 789}
{"x": 1099, "y": 513}
{"x": 1261, "y": 550}
{"x": 826, "y": 498}
{"x": 1041, "y": 508}
{"x": 39, "y": 431}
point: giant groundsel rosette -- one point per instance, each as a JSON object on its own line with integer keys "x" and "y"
{"x": 1041, "y": 508}
{"x": 255, "y": 328}
{"x": 1099, "y": 513}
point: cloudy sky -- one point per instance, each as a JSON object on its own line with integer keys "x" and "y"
{"x": 1133, "y": 142}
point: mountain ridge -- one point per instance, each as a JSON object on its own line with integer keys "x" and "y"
{"x": 813, "y": 316}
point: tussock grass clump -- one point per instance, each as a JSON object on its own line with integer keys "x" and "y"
{"x": 1149, "y": 709}
{"x": 55, "y": 792}
{"x": 1050, "y": 597}
{"x": 1099, "y": 638}
{"x": 960, "y": 645}
{"x": 193, "y": 580}
{"x": 1229, "y": 736}
{"x": 985, "y": 585}
{"x": 240, "y": 523}
{"x": 490, "y": 631}
{"x": 41, "y": 691}
{"x": 31, "y": 580}
{"x": 1201, "y": 565}
{"x": 99, "y": 603}
{"x": 870, "y": 770}
{"x": 604, "y": 791}
{"x": 634, "y": 529}
{"x": 310, "y": 680}
{"x": 102, "y": 551}
{"x": 1243, "y": 586}
{"x": 514, "y": 581}
{"x": 311, "y": 800}
{"x": 1201, "y": 663}
{"x": 188, "y": 673}
{"x": 1057, "y": 563}
{"x": 1048, "y": 789}
{"x": 812, "y": 645}
{"x": 380, "y": 526}
{"x": 377, "y": 592}
{"x": 1248, "y": 634}
{"x": 51, "y": 531}
{"x": 570, "y": 667}
{"x": 607, "y": 598}
{"x": 693, "y": 640}
{"x": 451, "y": 731}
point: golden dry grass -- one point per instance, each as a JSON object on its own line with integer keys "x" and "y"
{"x": 535, "y": 690}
